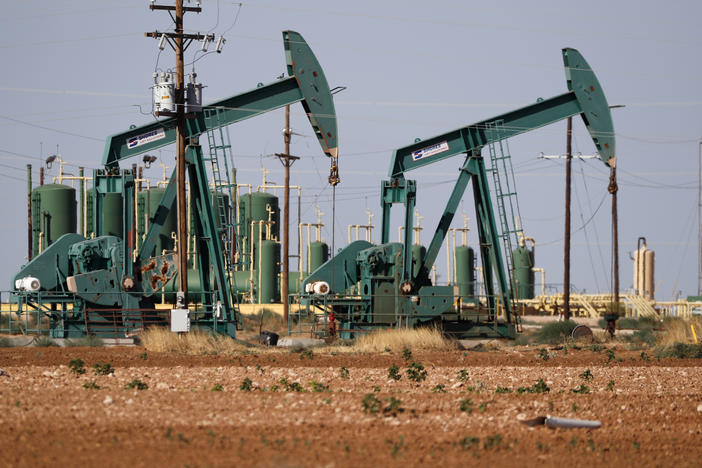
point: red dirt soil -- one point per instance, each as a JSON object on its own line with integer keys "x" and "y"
{"x": 651, "y": 415}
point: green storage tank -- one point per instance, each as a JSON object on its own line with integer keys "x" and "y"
{"x": 464, "y": 261}
{"x": 523, "y": 275}
{"x": 267, "y": 272}
{"x": 111, "y": 214}
{"x": 318, "y": 254}
{"x": 418, "y": 254}
{"x": 147, "y": 204}
{"x": 252, "y": 208}
{"x": 53, "y": 214}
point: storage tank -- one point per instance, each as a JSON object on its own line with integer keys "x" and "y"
{"x": 644, "y": 263}
{"x": 523, "y": 275}
{"x": 464, "y": 261}
{"x": 318, "y": 254}
{"x": 147, "y": 204}
{"x": 53, "y": 214}
{"x": 252, "y": 208}
{"x": 267, "y": 272}
{"x": 111, "y": 215}
{"x": 418, "y": 254}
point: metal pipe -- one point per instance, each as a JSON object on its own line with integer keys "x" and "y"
{"x": 81, "y": 174}
{"x": 543, "y": 279}
{"x": 41, "y": 175}
{"x": 566, "y": 242}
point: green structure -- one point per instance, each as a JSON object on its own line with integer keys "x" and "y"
{"x": 393, "y": 292}
{"x": 523, "y": 275}
{"x": 464, "y": 261}
{"x": 147, "y": 203}
{"x": 318, "y": 254}
{"x": 53, "y": 214}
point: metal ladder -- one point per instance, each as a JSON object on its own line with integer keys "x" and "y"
{"x": 505, "y": 192}
{"x": 221, "y": 160}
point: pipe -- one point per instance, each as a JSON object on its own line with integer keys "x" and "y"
{"x": 81, "y": 174}
{"x": 41, "y": 175}
{"x": 543, "y": 278}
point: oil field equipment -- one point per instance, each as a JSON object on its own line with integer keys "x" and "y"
{"x": 374, "y": 286}
{"x": 644, "y": 263}
{"x": 109, "y": 284}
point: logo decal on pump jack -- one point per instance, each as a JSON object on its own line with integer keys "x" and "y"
{"x": 145, "y": 138}
{"x": 430, "y": 150}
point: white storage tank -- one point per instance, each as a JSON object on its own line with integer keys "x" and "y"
{"x": 644, "y": 263}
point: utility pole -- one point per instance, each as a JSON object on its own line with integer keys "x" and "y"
{"x": 288, "y": 160}
{"x": 179, "y": 41}
{"x": 699, "y": 219}
{"x": 612, "y": 188}
{"x": 566, "y": 250}
{"x": 29, "y": 212}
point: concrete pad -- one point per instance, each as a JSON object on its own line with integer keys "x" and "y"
{"x": 295, "y": 342}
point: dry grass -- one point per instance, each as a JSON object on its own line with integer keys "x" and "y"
{"x": 395, "y": 340}
{"x": 196, "y": 342}
{"x": 677, "y": 330}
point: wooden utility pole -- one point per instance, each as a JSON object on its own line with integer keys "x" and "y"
{"x": 613, "y": 189}
{"x": 566, "y": 242}
{"x": 179, "y": 38}
{"x": 29, "y": 212}
{"x": 288, "y": 160}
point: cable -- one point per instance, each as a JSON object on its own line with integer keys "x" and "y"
{"x": 51, "y": 129}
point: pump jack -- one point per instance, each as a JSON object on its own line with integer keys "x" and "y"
{"x": 104, "y": 283}
{"x": 374, "y": 286}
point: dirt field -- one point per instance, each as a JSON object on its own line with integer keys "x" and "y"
{"x": 194, "y": 412}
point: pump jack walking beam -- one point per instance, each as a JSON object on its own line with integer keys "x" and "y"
{"x": 306, "y": 84}
{"x": 585, "y": 97}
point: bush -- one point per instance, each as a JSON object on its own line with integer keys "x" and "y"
{"x": 103, "y": 369}
{"x": 555, "y": 332}
{"x": 136, "y": 384}
{"x": 680, "y": 351}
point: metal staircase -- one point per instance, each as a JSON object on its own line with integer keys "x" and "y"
{"x": 221, "y": 162}
{"x": 505, "y": 193}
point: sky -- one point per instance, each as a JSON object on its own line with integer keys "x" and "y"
{"x": 77, "y": 71}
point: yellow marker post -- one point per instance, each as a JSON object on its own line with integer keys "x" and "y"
{"x": 694, "y": 335}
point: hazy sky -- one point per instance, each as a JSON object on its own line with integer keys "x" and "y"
{"x": 75, "y": 72}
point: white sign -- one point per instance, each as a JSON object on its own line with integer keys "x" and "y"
{"x": 144, "y": 138}
{"x": 430, "y": 150}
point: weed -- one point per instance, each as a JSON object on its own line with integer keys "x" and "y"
{"x": 393, "y": 407}
{"x": 440, "y": 388}
{"x": 136, "y": 384}
{"x": 482, "y": 407}
{"x": 407, "y": 354}
{"x": 376, "y": 389}
{"x": 582, "y": 389}
{"x": 307, "y": 354}
{"x": 397, "y": 446}
{"x": 466, "y": 405}
{"x": 246, "y": 385}
{"x": 644, "y": 356}
{"x": 416, "y": 372}
{"x": 544, "y": 354}
{"x": 318, "y": 387}
{"x": 610, "y": 355}
{"x": 144, "y": 356}
{"x": 77, "y": 366}
{"x": 610, "y": 385}
{"x": 586, "y": 376}
{"x": 91, "y": 385}
{"x": 344, "y": 373}
{"x": 680, "y": 351}
{"x": 468, "y": 443}
{"x": 636, "y": 445}
{"x": 394, "y": 373}
{"x": 103, "y": 369}
{"x": 463, "y": 375}
{"x": 597, "y": 348}
{"x": 44, "y": 342}
{"x": 371, "y": 404}
{"x": 291, "y": 386}
{"x": 493, "y": 441}
{"x": 539, "y": 387}
{"x": 217, "y": 388}
{"x": 503, "y": 390}
{"x": 555, "y": 332}
{"x": 574, "y": 408}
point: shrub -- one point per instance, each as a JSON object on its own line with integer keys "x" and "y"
{"x": 136, "y": 384}
{"x": 91, "y": 385}
{"x": 319, "y": 387}
{"x": 463, "y": 375}
{"x": 416, "y": 372}
{"x": 582, "y": 389}
{"x": 77, "y": 366}
{"x": 680, "y": 351}
{"x": 217, "y": 388}
{"x": 539, "y": 387}
{"x": 370, "y": 404}
{"x": 440, "y": 388}
{"x": 587, "y": 375}
{"x": 394, "y": 373}
{"x": 245, "y": 385}
{"x": 344, "y": 373}
{"x": 393, "y": 407}
{"x": 555, "y": 332}
{"x": 503, "y": 390}
{"x": 466, "y": 405}
{"x": 103, "y": 369}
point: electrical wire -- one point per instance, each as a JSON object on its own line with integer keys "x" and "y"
{"x": 51, "y": 129}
